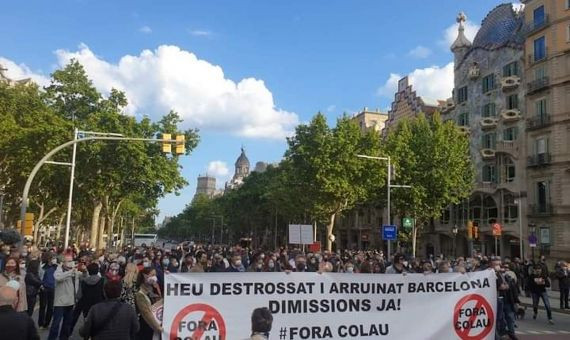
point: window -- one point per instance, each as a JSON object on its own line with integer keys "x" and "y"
{"x": 489, "y": 140}
{"x": 445, "y": 216}
{"x": 541, "y": 146}
{"x": 509, "y": 170}
{"x": 567, "y": 4}
{"x": 542, "y": 198}
{"x": 539, "y": 17}
{"x": 512, "y": 102}
{"x": 489, "y": 174}
{"x": 511, "y": 69}
{"x": 511, "y": 211}
{"x": 540, "y": 106}
{"x": 490, "y": 208}
{"x": 488, "y": 83}
{"x": 539, "y": 49}
{"x": 475, "y": 207}
{"x": 462, "y": 95}
{"x": 539, "y": 73}
{"x": 510, "y": 134}
{"x": 489, "y": 110}
{"x": 463, "y": 119}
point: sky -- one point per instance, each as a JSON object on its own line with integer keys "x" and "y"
{"x": 244, "y": 72}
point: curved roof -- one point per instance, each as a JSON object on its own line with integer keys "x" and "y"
{"x": 242, "y": 159}
{"x": 501, "y": 27}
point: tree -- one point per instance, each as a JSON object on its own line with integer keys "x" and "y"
{"x": 432, "y": 157}
{"x": 326, "y": 170}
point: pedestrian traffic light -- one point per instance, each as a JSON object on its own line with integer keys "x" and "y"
{"x": 180, "y": 145}
{"x": 476, "y": 232}
{"x": 166, "y": 147}
{"x": 469, "y": 230}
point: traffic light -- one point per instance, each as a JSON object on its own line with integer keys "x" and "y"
{"x": 166, "y": 147}
{"x": 469, "y": 230}
{"x": 28, "y": 224}
{"x": 476, "y": 232}
{"x": 180, "y": 145}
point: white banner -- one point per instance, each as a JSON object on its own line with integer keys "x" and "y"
{"x": 301, "y": 234}
{"x": 331, "y": 306}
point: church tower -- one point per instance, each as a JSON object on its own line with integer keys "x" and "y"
{"x": 242, "y": 166}
{"x": 461, "y": 44}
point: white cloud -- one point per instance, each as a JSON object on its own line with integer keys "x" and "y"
{"x": 430, "y": 83}
{"x": 218, "y": 169}
{"x": 21, "y": 71}
{"x": 517, "y": 6}
{"x": 200, "y": 33}
{"x": 172, "y": 78}
{"x": 420, "y": 52}
{"x": 145, "y": 29}
{"x": 450, "y": 33}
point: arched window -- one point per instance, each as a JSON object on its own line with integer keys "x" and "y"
{"x": 490, "y": 210}
{"x": 475, "y": 206}
{"x": 509, "y": 169}
{"x": 511, "y": 210}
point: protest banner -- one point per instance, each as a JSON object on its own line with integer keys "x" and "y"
{"x": 331, "y": 306}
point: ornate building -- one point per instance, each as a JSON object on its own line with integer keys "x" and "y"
{"x": 407, "y": 104}
{"x": 206, "y": 185}
{"x": 241, "y": 171}
{"x": 547, "y": 70}
{"x": 488, "y": 105}
{"x": 4, "y": 78}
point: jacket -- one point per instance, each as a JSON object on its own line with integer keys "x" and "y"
{"x": 66, "y": 285}
{"x": 563, "y": 277}
{"x": 15, "y": 325}
{"x": 123, "y": 324}
{"x": 48, "y": 279}
{"x": 144, "y": 303}
{"x": 534, "y": 287}
{"x": 22, "y": 297}
{"x": 33, "y": 284}
{"x": 90, "y": 293}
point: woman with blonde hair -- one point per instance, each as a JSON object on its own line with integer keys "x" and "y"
{"x": 130, "y": 286}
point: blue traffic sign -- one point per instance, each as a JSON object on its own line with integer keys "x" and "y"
{"x": 389, "y": 232}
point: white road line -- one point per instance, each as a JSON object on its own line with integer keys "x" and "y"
{"x": 549, "y": 332}
{"x": 564, "y": 332}
{"x": 534, "y": 332}
{"x": 520, "y": 332}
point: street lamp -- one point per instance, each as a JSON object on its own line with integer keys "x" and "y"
{"x": 518, "y": 202}
{"x": 389, "y": 186}
{"x": 455, "y": 230}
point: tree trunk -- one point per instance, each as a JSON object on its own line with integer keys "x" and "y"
{"x": 59, "y": 224}
{"x": 330, "y": 229}
{"x": 101, "y": 232}
{"x": 95, "y": 224}
{"x": 414, "y": 239}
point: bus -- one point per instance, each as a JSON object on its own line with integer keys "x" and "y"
{"x": 147, "y": 239}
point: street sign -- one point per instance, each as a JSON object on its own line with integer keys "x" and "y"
{"x": 408, "y": 223}
{"x": 300, "y": 234}
{"x": 532, "y": 239}
{"x": 544, "y": 236}
{"x": 389, "y": 232}
{"x": 497, "y": 229}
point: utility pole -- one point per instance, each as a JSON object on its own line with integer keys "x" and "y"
{"x": 70, "y": 199}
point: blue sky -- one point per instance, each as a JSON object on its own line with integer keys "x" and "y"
{"x": 245, "y": 72}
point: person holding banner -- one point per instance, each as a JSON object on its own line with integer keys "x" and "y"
{"x": 261, "y": 322}
{"x": 148, "y": 294}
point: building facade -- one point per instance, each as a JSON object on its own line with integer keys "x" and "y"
{"x": 488, "y": 104}
{"x": 206, "y": 186}
{"x": 547, "y": 70}
{"x": 11, "y": 82}
{"x": 242, "y": 167}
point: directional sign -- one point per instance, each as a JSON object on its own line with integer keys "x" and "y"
{"x": 407, "y": 222}
{"x": 389, "y": 232}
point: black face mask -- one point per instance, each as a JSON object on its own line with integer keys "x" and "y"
{"x": 300, "y": 266}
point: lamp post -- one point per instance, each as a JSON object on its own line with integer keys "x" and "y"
{"x": 455, "y": 230}
{"x": 389, "y": 186}
{"x": 518, "y": 201}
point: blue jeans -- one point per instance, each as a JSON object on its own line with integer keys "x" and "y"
{"x": 535, "y": 299}
{"x": 59, "y": 314}
{"x": 509, "y": 313}
{"x": 499, "y": 319}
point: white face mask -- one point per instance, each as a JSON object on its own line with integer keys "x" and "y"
{"x": 349, "y": 269}
{"x": 54, "y": 261}
{"x": 22, "y": 266}
{"x": 146, "y": 264}
{"x": 271, "y": 265}
{"x": 151, "y": 280}
{"x": 238, "y": 263}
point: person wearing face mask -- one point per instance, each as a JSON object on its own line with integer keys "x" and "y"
{"x": 113, "y": 272}
{"x": 538, "y": 281}
{"x": 33, "y": 284}
{"x": 187, "y": 264}
{"x": 173, "y": 265}
{"x": 147, "y": 295}
{"x": 47, "y": 293}
{"x": 349, "y": 267}
{"x": 300, "y": 263}
{"x": 12, "y": 273}
{"x": 397, "y": 266}
{"x": 201, "y": 265}
{"x": 66, "y": 285}
{"x": 563, "y": 276}
{"x": 236, "y": 264}
{"x": 90, "y": 293}
{"x": 271, "y": 265}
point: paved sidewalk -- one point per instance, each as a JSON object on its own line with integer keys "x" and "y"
{"x": 553, "y": 296}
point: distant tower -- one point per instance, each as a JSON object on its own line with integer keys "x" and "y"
{"x": 206, "y": 185}
{"x": 461, "y": 44}
{"x": 260, "y": 167}
{"x": 242, "y": 166}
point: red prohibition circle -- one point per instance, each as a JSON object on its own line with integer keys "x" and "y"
{"x": 210, "y": 314}
{"x": 480, "y": 301}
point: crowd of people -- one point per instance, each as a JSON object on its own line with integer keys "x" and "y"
{"x": 114, "y": 291}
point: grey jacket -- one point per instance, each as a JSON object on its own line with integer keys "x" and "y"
{"x": 66, "y": 286}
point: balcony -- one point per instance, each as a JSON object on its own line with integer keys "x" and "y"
{"x": 538, "y": 122}
{"x": 464, "y": 129}
{"x": 545, "y": 209}
{"x": 533, "y": 59}
{"x": 533, "y": 27}
{"x": 508, "y": 147}
{"x": 488, "y": 123}
{"x": 511, "y": 115}
{"x": 537, "y": 85}
{"x": 509, "y": 83}
{"x": 487, "y": 154}
{"x": 541, "y": 159}
{"x": 486, "y": 187}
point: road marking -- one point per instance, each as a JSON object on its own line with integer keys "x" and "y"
{"x": 549, "y": 332}
{"x": 534, "y": 332}
{"x": 564, "y": 332}
{"x": 520, "y": 332}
